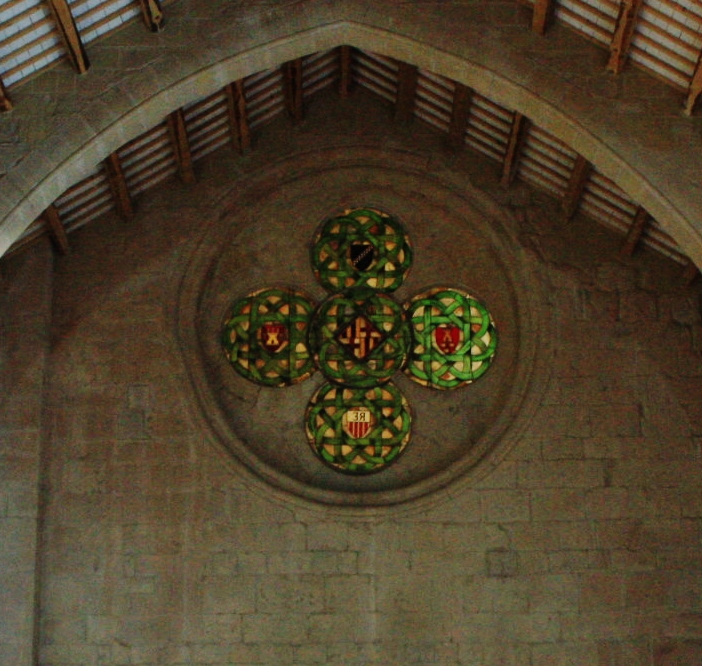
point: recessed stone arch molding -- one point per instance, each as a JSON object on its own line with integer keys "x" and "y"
{"x": 459, "y": 429}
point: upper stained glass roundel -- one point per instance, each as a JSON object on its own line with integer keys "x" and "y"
{"x": 363, "y": 247}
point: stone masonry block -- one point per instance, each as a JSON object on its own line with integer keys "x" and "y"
{"x": 677, "y": 653}
{"x": 292, "y": 594}
{"x": 285, "y": 627}
{"x": 501, "y": 563}
{"x": 616, "y": 420}
{"x": 560, "y": 474}
{"x": 327, "y": 536}
{"x": 349, "y": 593}
{"x": 505, "y": 505}
{"x": 229, "y": 594}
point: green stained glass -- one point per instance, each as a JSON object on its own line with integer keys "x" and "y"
{"x": 358, "y": 431}
{"x": 360, "y": 338}
{"x": 362, "y": 247}
{"x": 453, "y": 339}
{"x": 265, "y": 337}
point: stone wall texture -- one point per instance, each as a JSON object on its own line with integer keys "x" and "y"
{"x": 580, "y": 545}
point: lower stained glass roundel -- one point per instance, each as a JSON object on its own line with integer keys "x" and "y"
{"x": 360, "y": 338}
{"x": 362, "y": 247}
{"x": 265, "y": 337}
{"x": 358, "y": 431}
{"x": 453, "y": 339}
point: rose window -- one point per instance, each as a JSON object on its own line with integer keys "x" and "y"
{"x": 358, "y": 421}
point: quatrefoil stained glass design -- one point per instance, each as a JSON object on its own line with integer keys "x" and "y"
{"x": 359, "y": 422}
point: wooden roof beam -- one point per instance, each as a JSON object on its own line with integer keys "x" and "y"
{"x": 292, "y": 87}
{"x": 695, "y": 89}
{"x": 238, "y": 116}
{"x": 514, "y": 146}
{"x": 407, "y": 76}
{"x": 690, "y": 273}
{"x": 636, "y": 230}
{"x": 118, "y": 185}
{"x": 543, "y": 15}
{"x": 181, "y": 146}
{"x": 462, "y": 98}
{"x": 5, "y": 101}
{"x": 623, "y": 34}
{"x": 58, "y": 232}
{"x": 345, "y": 71}
{"x": 576, "y": 186}
{"x": 70, "y": 36}
{"x": 152, "y": 14}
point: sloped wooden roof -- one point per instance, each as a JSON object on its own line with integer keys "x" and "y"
{"x": 662, "y": 37}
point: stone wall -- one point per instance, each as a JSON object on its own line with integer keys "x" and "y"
{"x": 580, "y": 544}
{"x": 25, "y": 317}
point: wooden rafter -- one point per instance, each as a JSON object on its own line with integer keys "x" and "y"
{"x": 623, "y": 34}
{"x": 576, "y": 185}
{"x": 635, "y": 232}
{"x": 542, "y": 16}
{"x": 56, "y": 228}
{"x": 292, "y": 86}
{"x": 690, "y": 273}
{"x": 514, "y": 145}
{"x": 70, "y": 36}
{"x": 5, "y": 101}
{"x": 181, "y": 145}
{"x": 118, "y": 186}
{"x": 345, "y": 71}
{"x": 695, "y": 89}
{"x": 407, "y": 76}
{"x": 153, "y": 14}
{"x": 238, "y": 117}
{"x": 462, "y": 97}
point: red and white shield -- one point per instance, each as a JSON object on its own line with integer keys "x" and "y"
{"x": 273, "y": 336}
{"x": 447, "y": 338}
{"x": 357, "y": 422}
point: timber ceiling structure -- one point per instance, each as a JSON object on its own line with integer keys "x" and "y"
{"x": 663, "y": 38}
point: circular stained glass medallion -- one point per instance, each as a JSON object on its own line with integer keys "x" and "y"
{"x": 265, "y": 337}
{"x": 358, "y": 431}
{"x": 360, "y": 338}
{"x": 453, "y": 338}
{"x": 361, "y": 247}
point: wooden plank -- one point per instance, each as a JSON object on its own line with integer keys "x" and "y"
{"x": 407, "y": 76}
{"x": 118, "y": 185}
{"x": 623, "y": 34}
{"x": 56, "y": 229}
{"x": 70, "y": 36}
{"x": 542, "y": 16}
{"x": 695, "y": 88}
{"x": 516, "y": 138}
{"x": 576, "y": 185}
{"x": 462, "y": 98}
{"x": 345, "y": 71}
{"x": 181, "y": 145}
{"x": 690, "y": 273}
{"x": 238, "y": 117}
{"x": 153, "y": 14}
{"x": 635, "y": 232}
{"x": 5, "y": 101}
{"x": 292, "y": 87}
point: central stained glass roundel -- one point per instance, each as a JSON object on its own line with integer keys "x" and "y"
{"x": 359, "y": 337}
